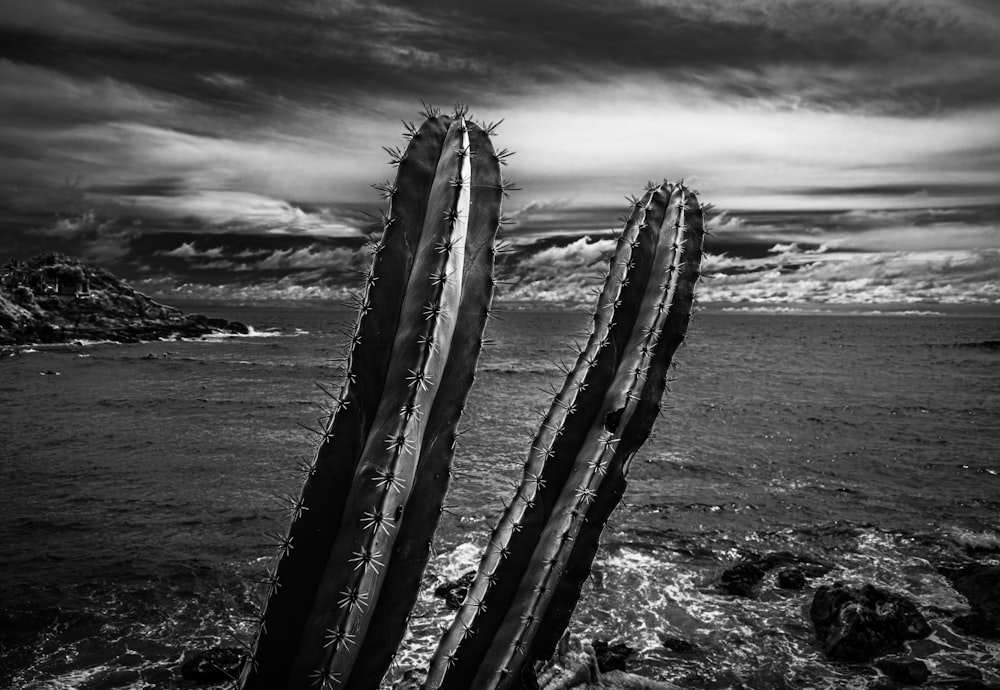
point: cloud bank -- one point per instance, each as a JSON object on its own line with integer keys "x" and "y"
{"x": 852, "y": 146}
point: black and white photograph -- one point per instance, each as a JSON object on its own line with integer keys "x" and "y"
{"x": 523, "y": 345}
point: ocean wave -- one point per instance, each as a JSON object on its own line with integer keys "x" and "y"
{"x": 981, "y": 345}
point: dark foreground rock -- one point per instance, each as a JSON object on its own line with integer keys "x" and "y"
{"x": 612, "y": 656}
{"x": 53, "y": 298}
{"x": 904, "y": 670}
{"x": 859, "y": 624}
{"x": 677, "y": 645}
{"x": 791, "y": 578}
{"x": 979, "y": 583}
{"x": 213, "y": 665}
{"x": 454, "y": 591}
{"x": 744, "y": 578}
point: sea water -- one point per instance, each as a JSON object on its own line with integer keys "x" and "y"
{"x": 140, "y": 481}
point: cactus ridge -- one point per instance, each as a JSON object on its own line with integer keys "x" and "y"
{"x": 539, "y": 555}
{"x": 408, "y": 369}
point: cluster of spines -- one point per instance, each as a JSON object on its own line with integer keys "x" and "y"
{"x": 628, "y": 388}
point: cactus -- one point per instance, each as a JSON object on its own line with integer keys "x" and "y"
{"x": 350, "y": 564}
{"x": 541, "y": 551}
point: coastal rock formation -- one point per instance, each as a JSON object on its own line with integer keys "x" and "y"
{"x": 54, "y": 298}
{"x": 859, "y": 624}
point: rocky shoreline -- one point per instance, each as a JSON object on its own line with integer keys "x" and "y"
{"x": 54, "y": 298}
{"x": 861, "y": 626}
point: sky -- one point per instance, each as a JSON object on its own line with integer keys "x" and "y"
{"x": 226, "y": 148}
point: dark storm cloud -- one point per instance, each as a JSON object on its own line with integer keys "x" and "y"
{"x": 887, "y": 55}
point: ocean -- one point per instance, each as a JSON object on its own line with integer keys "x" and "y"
{"x": 140, "y": 482}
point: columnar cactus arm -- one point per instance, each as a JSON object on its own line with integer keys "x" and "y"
{"x": 549, "y": 463}
{"x": 412, "y": 546}
{"x": 540, "y": 553}
{"x": 633, "y": 403}
{"x": 330, "y": 579}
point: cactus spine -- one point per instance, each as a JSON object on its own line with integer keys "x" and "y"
{"x": 350, "y": 564}
{"x": 541, "y": 551}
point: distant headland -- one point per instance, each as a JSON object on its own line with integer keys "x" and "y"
{"x": 54, "y": 298}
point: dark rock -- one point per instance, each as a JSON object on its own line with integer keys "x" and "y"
{"x": 677, "y": 644}
{"x": 956, "y": 670}
{"x": 791, "y": 578}
{"x": 979, "y": 583}
{"x": 903, "y": 669}
{"x": 977, "y": 624}
{"x": 54, "y": 298}
{"x": 454, "y": 592}
{"x": 743, "y": 579}
{"x": 611, "y": 656}
{"x": 237, "y": 327}
{"x": 859, "y": 624}
{"x": 213, "y": 665}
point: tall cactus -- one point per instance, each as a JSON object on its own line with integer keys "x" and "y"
{"x": 350, "y": 565}
{"x": 541, "y": 551}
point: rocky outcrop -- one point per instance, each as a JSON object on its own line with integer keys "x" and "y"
{"x": 54, "y": 298}
{"x": 859, "y": 624}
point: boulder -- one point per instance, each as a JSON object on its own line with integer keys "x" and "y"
{"x": 904, "y": 670}
{"x": 744, "y": 578}
{"x": 859, "y": 624}
{"x": 612, "y": 656}
{"x": 454, "y": 592}
{"x": 677, "y": 645}
{"x": 791, "y": 578}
